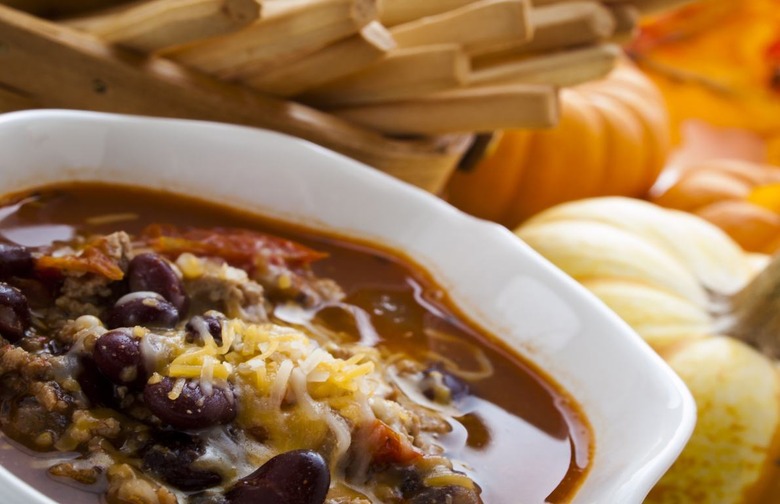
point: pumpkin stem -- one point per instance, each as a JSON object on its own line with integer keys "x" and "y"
{"x": 476, "y": 152}
{"x": 756, "y": 311}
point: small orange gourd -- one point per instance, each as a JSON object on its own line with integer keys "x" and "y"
{"x": 613, "y": 139}
{"x": 740, "y": 197}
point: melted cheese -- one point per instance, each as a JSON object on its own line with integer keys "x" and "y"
{"x": 265, "y": 355}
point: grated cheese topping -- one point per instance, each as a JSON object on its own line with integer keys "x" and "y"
{"x": 265, "y": 356}
{"x": 190, "y": 266}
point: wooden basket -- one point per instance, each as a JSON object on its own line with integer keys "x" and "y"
{"x": 507, "y": 78}
{"x": 47, "y": 65}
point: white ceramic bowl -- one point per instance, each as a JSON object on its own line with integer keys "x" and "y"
{"x": 641, "y": 413}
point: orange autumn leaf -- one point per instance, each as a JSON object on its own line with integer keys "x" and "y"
{"x": 718, "y": 61}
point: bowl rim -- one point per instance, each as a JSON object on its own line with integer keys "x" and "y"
{"x": 34, "y": 126}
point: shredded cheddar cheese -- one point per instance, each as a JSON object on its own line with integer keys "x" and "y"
{"x": 190, "y": 266}
{"x": 265, "y": 355}
{"x": 177, "y": 388}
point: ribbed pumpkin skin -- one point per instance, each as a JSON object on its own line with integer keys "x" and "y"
{"x": 720, "y": 191}
{"x": 666, "y": 272}
{"x": 613, "y": 139}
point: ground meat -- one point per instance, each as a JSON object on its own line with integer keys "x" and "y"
{"x": 35, "y": 410}
{"x": 87, "y": 471}
{"x": 83, "y": 294}
{"x": 302, "y": 287}
{"x": 341, "y": 494}
{"x": 16, "y": 361}
{"x": 127, "y": 486}
{"x": 85, "y": 330}
{"x": 117, "y": 246}
{"x": 84, "y": 286}
{"x": 422, "y": 424}
{"x": 85, "y": 426}
{"x": 29, "y": 421}
{"x": 87, "y": 293}
{"x": 446, "y": 495}
{"x": 51, "y": 396}
{"x": 86, "y": 474}
{"x": 230, "y": 287}
{"x": 348, "y": 500}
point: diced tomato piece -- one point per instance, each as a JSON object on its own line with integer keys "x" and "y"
{"x": 240, "y": 248}
{"x": 390, "y": 447}
{"x": 92, "y": 259}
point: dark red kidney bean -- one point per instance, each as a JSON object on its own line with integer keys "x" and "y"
{"x": 117, "y": 355}
{"x": 212, "y": 323}
{"x": 38, "y": 294}
{"x": 435, "y": 376}
{"x": 150, "y": 272}
{"x": 137, "y": 309}
{"x": 94, "y": 386}
{"x": 170, "y": 457}
{"x": 193, "y": 408}
{"x": 458, "y": 388}
{"x": 295, "y": 477}
{"x": 15, "y": 317}
{"x": 15, "y": 260}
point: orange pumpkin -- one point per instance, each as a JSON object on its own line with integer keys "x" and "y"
{"x": 613, "y": 139}
{"x": 740, "y": 197}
